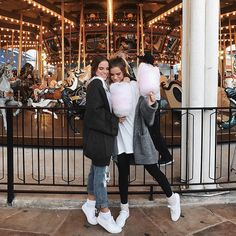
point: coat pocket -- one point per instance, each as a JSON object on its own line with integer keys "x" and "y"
{"x": 146, "y": 144}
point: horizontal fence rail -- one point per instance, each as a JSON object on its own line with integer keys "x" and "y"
{"x": 42, "y": 152}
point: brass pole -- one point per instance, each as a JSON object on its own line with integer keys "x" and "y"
{"x": 70, "y": 48}
{"x": 25, "y": 46}
{"x": 108, "y": 32}
{"x": 12, "y": 45}
{"x": 40, "y": 51}
{"x": 20, "y": 46}
{"x": 62, "y": 42}
{"x": 230, "y": 41}
{"x": 84, "y": 44}
{"x": 151, "y": 38}
{"x": 141, "y": 23}
{"x": 80, "y": 34}
{"x": 138, "y": 36}
{"x": 6, "y": 59}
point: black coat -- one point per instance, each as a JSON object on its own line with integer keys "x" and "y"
{"x": 100, "y": 125}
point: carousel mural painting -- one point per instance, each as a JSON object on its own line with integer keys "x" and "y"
{"x": 49, "y": 90}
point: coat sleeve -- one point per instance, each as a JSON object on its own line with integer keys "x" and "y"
{"x": 97, "y": 117}
{"x": 147, "y": 111}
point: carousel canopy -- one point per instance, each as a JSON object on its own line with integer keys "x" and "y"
{"x": 133, "y": 26}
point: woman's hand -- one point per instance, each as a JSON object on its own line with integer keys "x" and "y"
{"x": 151, "y": 98}
{"x": 126, "y": 79}
{"x": 122, "y": 119}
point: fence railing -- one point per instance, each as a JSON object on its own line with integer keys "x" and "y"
{"x": 42, "y": 152}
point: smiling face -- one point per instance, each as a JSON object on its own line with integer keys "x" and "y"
{"x": 116, "y": 74}
{"x": 103, "y": 69}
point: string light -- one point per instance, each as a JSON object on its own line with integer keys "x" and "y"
{"x": 48, "y": 11}
{"x": 163, "y": 15}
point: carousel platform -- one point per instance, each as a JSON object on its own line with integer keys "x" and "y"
{"x": 44, "y": 130}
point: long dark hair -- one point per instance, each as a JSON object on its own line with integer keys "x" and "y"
{"x": 119, "y": 62}
{"x": 96, "y": 61}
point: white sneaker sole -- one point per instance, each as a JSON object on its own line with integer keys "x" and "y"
{"x": 167, "y": 163}
{"x": 100, "y": 222}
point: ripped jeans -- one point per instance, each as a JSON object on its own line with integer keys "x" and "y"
{"x": 97, "y": 185}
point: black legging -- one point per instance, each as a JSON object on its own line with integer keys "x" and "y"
{"x": 123, "y": 168}
{"x": 158, "y": 139}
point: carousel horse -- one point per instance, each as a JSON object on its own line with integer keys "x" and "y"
{"x": 21, "y": 85}
{"x": 8, "y": 101}
{"x": 43, "y": 103}
{"x": 74, "y": 96}
{"x": 231, "y": 94}
{"x": 5, "y": 76}
{"x": 46, "y": 96}
{"x": 173, "y": 92}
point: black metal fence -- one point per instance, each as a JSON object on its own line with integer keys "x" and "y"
{"x": 42, "y": 152}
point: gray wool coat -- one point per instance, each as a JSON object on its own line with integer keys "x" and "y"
{"x": 144, "y": 149}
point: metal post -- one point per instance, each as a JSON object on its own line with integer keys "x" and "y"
{"x": 10, "y": 177}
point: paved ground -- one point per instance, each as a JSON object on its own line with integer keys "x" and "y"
{"x": 198, "y": 218}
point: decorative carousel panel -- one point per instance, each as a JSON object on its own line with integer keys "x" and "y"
{"x": 125, "y": 42}
{"x": 96, "y": 42}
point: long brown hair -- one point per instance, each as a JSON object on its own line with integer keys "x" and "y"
{"x": 119, "y": 62}
{"x": 95, "y": 63}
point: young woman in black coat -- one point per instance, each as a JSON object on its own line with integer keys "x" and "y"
{"x": 100, "y": 129}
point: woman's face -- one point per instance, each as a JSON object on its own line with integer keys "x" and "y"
{"x": 116, "y": 74}
{"x": 103, "y": 69}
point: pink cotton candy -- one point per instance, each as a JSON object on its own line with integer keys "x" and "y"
{"x": 121, "y": 98}
{"x": 148, "y": 77}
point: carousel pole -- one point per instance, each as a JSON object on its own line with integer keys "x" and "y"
{"x": 12, "y": 45}
{"x": 141, "y": 23}
{"x": 20, "y": 46}
{"x": 62, "y": 42}
{"x": 138, "y": 35}
{"x": 151, "y": 38}
{"x": 25, "y": 47}
{"x": 80, "y": 34}
{"x": 224, "y": 61}
{"x": 108, "y": 30}
{"x": 6, "y": 59}
{"x": 230, "y": 41}
{"x": 40, "y": 52}
{"x": 36, "y": 62}
{"x": 84, "y": 43}
{"x": 70, "y": 48}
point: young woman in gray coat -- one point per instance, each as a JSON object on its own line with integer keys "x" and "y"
{"x": 135, "y": 143}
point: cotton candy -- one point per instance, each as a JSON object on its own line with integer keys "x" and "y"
{"x": 121, "y": 98}
{"x": 148, "y": 77}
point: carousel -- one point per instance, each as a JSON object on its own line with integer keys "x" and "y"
{"x": 47, "y": 46}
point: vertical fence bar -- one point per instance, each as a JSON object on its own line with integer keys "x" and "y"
{"x": 10, "y": 177}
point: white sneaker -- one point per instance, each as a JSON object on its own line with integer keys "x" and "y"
{"x": 174, "y": 205}
{"x": 90, "y": 214}
{"x": 109, "y": 224}
{"x": 122, "y": 217}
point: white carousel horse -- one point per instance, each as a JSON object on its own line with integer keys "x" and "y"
{"x": 8, "y": 100}
{"x": 5, "y": 76}
{"x": 6, "y": 93}
{"x": 43, "y": 103}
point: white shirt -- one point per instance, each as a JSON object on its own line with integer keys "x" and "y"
{"x": 126, "y": 129}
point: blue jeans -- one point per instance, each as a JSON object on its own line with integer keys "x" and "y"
{"x": 97, "y": 185}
